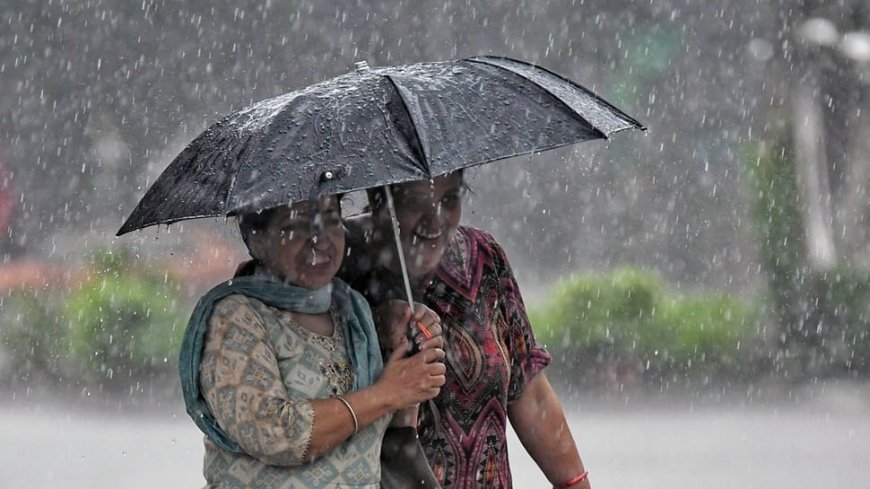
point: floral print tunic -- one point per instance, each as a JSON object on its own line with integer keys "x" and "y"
{"x": 491, "y": 355}
{"x": 259, "y": 371}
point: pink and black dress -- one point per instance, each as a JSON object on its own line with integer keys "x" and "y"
{"x": 491, "y": 355}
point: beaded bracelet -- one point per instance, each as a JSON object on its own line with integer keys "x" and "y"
{"x": 573, "y": 482}
{"x": 352, "y": 414}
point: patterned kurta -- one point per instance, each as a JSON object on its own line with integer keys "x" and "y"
{"x": 491, "y": 355}
{"x": 258, "y": 373}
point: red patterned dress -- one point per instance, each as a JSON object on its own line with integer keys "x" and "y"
{"x": 491, "y": 355}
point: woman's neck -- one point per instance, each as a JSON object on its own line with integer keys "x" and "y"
{"x": 420, "y": 282}
{"x": 321, "y": 324}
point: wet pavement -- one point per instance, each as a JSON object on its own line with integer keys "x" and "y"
{"x": 820, "y": 442}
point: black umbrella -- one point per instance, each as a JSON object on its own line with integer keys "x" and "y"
{"x": 374, "y": 127}
{"x": 371, "y": 128}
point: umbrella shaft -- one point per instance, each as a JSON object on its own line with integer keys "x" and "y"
{"x": 401, "y": 252}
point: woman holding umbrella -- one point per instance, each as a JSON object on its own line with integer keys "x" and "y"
{"x": 281, "y": 366}
{"x": 494, "y": 366}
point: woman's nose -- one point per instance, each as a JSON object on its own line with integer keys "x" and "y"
{"x": 433, "y": 211}
{"x": 315, "y": 230}
{"x": 317, "y": 240}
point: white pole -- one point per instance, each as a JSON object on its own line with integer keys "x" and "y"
{"x": 404, "y": 267}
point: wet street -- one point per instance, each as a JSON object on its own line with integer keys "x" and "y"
{"x": 680, "y": 444}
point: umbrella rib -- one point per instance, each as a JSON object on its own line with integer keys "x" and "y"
{"x": 419, "y": 146}
{"x": 234, "y": 174}
{"x": 626, "y": 117}
{"x": 128, "y": 229}
{"x": 564, "y": 104}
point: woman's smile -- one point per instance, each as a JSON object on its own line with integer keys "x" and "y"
{"x": 319, "y": 259}
{"x": 423, "y": 234}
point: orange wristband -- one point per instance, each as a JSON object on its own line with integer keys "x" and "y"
{"x": 573, "y": 482}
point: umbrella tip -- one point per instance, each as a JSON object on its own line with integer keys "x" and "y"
{"x": 361, "y": 66}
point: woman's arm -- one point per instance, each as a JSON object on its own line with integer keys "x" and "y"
{"x": 405, "y": 382}
{"x": 540, "y": 424}
{"x": 393, "y": 319}
{"x": 533, "y": 408}
{"x": 242, "y": 385}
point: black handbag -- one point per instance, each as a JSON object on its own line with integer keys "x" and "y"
{"x": 403, "y": 463}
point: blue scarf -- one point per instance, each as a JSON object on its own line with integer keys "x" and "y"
{"x": 361, "y": 339}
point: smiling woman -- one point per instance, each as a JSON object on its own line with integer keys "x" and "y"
{"x": 281, "y": 366}
{"x": 430, "y": 212}
{"x": 302, "y": 244}
{"x": 494, "y": 364}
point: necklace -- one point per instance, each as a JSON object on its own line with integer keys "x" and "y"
{"x": 336, "y": 369}
{"x": 329, "y": 343}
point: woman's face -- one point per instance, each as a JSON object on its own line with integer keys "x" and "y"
{"x": 298, "y": 252}
{"x": 428, "y": 215}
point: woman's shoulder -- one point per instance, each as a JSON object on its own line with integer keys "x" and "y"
{"x": 477, "y": 236}
{"x": 234, "y": 317}
{"x": 472, "y": 254}
{"x": 476, "y": 250}
{"x": 234, "y": 302}
{"x": 241, "y": 309}
{"x": 476, "y": 241}
{"x": 234, "y": 308}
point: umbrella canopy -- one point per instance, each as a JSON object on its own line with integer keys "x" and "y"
{"x": 374, "y": 127}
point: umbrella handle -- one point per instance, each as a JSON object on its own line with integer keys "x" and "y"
{"x": 402, "y": 265}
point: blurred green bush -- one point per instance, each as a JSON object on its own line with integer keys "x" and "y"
{"x": 122, "y": 326}
{"x": 125, "y": 323}
{"x": 625, "y": 326}
{"x": 32, "y": 336}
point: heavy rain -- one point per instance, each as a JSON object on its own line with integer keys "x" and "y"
{"x": 702, "y": 286}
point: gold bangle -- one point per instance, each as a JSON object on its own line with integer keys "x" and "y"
{"x": 352, "y": 414}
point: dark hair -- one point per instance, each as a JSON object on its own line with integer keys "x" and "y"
{"x": 254, "y": 222}
{"x": 251, "y": 223}
{"x": 378, "y": 199}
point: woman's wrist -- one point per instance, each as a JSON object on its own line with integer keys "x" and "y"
{"x": 352, "y": 413}
{"x": 387, "y": 401}
{"x": 573, "y": 482}
{"x": 405, "y": 417}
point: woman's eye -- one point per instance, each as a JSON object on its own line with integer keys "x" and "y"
{"x": 330, "y": 218}
{"x": 450, "y": 201}
{"x": 294, "y": 229}
{"x": 332, "y": 221}
{"x": 412, "y": 202}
